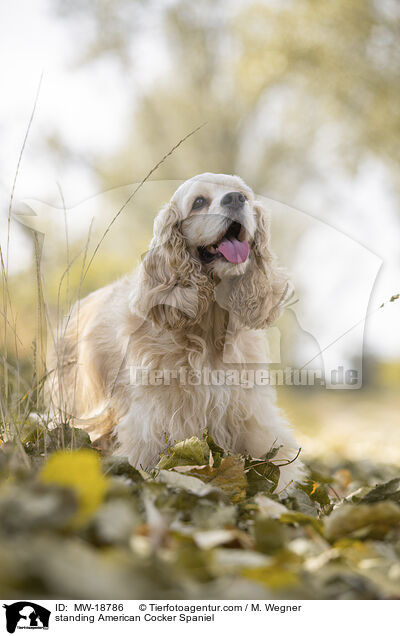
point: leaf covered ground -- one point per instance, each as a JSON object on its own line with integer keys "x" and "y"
{"x": 75, "y": 523}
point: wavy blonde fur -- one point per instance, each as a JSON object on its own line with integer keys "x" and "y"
{"x": 176, "y": 313}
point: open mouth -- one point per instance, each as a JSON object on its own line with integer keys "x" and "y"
{"x": 231, "y": 246}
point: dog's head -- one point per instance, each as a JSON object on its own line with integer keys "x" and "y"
{"x": 211, "y": 242}
{"x": 218, "y": 222}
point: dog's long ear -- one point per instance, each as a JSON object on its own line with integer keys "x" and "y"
{"x": 256, "y": 298}
{"x": 171, "y": 290}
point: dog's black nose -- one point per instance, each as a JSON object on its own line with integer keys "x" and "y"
{"x": 233, "y": 200}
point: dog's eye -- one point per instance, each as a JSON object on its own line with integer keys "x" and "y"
{"x": 198, "y": 203}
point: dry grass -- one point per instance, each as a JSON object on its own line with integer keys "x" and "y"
{"x": 24, "y": 370}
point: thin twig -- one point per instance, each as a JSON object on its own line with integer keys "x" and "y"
{"x": 19, "y": 164}
{"x": 143, "y": 181}
{"x": 284, "y": 488}
{"x": 66, "y": 237}
{"x": 289, "y": 461}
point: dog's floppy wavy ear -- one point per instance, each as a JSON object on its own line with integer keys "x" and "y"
{"x": 171, "y": 290}
{"x": 256, "y": 298}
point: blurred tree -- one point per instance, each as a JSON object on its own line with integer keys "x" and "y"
{"x": 287, "y": 88}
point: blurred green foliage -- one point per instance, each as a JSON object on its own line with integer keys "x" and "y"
{"x": 278, "y": 83}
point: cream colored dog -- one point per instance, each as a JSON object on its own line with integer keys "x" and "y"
{"x": 139, "y": 357}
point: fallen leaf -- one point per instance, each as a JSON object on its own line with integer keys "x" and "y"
{"x": 81, "y": 471}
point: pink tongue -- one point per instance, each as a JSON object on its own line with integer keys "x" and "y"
{"x": 234, "y": 251}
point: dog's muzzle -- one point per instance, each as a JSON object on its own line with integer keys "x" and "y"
{"x": 231, "y": 246}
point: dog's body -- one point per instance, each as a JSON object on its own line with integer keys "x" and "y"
{"x": 139, "y": 357}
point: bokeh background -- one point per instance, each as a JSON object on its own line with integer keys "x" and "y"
{"x": 301, "y": 98}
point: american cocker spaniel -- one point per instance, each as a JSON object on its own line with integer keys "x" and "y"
{"x": 174, "y": 348}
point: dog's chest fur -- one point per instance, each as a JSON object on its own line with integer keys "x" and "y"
{"x": 191, "y": 381}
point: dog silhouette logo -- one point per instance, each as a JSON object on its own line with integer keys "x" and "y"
{"x": 26, "y": 615}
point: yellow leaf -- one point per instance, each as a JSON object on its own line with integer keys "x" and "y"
{"x": 273, "y": 576}
{"x": 79, "y": 470}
